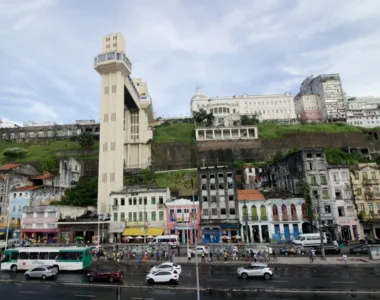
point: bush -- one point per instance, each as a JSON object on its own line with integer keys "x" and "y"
{"x": 14, "y": 153}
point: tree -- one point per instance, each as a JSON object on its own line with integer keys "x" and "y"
{"x": 86, "y": 140}
{"x": 202, "y": 117}
{"x": 249, "y": 120}
{"x": 50, "y": 165}
{"x": 84, "y": 193}
{"x": 14, "y": 153}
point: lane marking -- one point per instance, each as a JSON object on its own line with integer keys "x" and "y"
{"x": 137, "y": 298}
{"x": 221, "y": 280}
{"x": 28, "y": 292}
{"x": 86, "y": 296}
{"x": 343, "y": 282}
{"x": 278, "y": 281}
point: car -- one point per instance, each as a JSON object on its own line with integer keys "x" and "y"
{"x": 255, "y": 270}
{"x": 109, "y": 274}
{"x": 165, "y": 276}
{"x": 199, "y": 250}
{"x": 329, "y": 249}
{"x": 167, "y": 266}
{"x": 42, "y": 272}
{"x": 361, "y": 249}
{"x": 292, "y": 250}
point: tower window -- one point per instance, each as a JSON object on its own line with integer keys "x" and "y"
{"x": 105, "y": 117}
{"x": 114, "y": 86}
{"x": 106, "y": 90}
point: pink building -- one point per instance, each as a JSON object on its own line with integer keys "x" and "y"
{"x": 180, "y": 221}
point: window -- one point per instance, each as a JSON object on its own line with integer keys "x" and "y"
{"x": 338, "y": 195}
{"x": 232, "y": 211}
{"x": 106, "y": 90}
{"x": 134, "y": 200}
{"x": 122, "y": 217}
{"x": 140, "y": 216}
{"x": 160, "y": 200}
{"x": 130, "y": 201}
{"x": 204, "y": 187}
{"x": 309, "y": 155}
{"x": 223, "y": 211}
{"x": 213, "y": 199}
{"x": 212, "y": 186}
{"x": 145, "y": 200}
{"x": 335, "y": 177}
{"x": 214, "y": 212}
{"x": 341, "y": 212}
{"x": 221, "y": 186}
{"x": 153, "y": 199}
{"x": 130, "y": 217}
{"x": 153, "y": 216}
{"x": 370, "y": 208}
{"x": 205, "y": 212}
{"x": 115, "y": 201}
{"x": 327, "y": 209}
{"x": 33, "y": 255}
{"x": 161, "y": 216}
{"x": 105, "y": 147}
{"x": 114, "y": 87}
{"x": 230, "y": 185}
{"x": 122, "y": 201}
{"x": 359, "y": 192}
{"x": 24, "y": 255}
{"x": 325, "y": 194}
{"x": 365, "y": 176}
{"x": 140, "y": 200}
{"x": 309, "y": 166}
{"x": 376, "y": 190}
{"x": 315, "y": 194}
{"x": 135, "y": 217}
{"x": 204, "y": 198}
{"x": 373, "y": 175}
{"x": 313, "y": 180}
{"x": 115, "y": 217}
{"x": 323, "y": 179}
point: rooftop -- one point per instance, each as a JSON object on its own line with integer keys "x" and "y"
{"x": 9, "y": 167}
{"x": 250, "y": 195}
{"x": 44, "y": 176}
{"x": 27, "y": 188}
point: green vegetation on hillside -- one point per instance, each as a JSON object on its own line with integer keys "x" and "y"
{"x": 38, "y": 151}
{"x": 335, "y": 156}
{"x": 174, "y": 133}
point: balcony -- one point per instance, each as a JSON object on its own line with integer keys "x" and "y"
{"x": 294, "y": 218}
{"x": 112, "y": 57}
{"x": 367, "y": 181}
{"x": 115, "y": 207}
{"x": 160, "y": 206}
{"x": 254, "y": 218}
{"x": 276, "y": 218}
{"x": 285, "y": 218}
{"x": 264, "y": 218}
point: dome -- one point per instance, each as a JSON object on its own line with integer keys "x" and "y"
{"x": 199, "y": 94}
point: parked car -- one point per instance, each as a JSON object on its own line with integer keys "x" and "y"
{"x": 329, "y": 249}
{"x": 292, "y": 250}
{"x": 199, "y": 250}
{"x": 255, "y": 270}
{"x": 109, "y": 274}
{"x": 167, "y": 266}
{"x": 167, "y": 276}
{"x": 361, "y": 249}
{"x": 42, "y": 272}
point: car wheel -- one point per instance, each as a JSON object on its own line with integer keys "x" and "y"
{"x": 43, "y": 277}
{"x": 111, "y": 279}
{"x": 14, "y": 268}
{"x": 150, "y": 281}
{"x": 244, "y": 275}
{"x": 266, "y": 276}
{"x": 27, "y": 276}
{"x": 91, "y": 278}
{"x": 56, "y": 267}
{"x": 172, "y": 282}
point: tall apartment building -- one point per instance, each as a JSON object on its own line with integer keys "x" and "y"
{"x": 218, "y": 204}
{"x": 266, "y": 107}
{"x": 308, "y": 108}
{"x": 363, "y": 111}
{"x": 331, "y": 96}
{"x": 124, "y": 121}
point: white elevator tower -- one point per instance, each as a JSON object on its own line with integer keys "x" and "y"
{"x": 125, "y": 118}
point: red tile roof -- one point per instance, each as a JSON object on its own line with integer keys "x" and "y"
{"x": 9, "y": 167}
{"x": 44, "y": 176}
{"x": 28, "y": 188}
{"x": 250, "y": 195}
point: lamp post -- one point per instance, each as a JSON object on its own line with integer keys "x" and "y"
{"x": 195, "y": 238}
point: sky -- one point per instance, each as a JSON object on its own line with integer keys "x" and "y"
{"x": 225, "y": 47}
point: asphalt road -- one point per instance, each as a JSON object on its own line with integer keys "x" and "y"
{"x": 297, "y": 277}
{"x": 47, "y": 292}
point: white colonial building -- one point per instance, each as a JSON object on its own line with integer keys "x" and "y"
{"x": 228, "y": 110}
{"x": 363, "y": 111}
{"x": 142, "y": 210}
{"x": 279, "y": 220}
{"x": 343, "y": 207}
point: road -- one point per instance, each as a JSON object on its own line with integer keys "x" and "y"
{"x": 221, "y": 276}
{"x": 12, "y": 291}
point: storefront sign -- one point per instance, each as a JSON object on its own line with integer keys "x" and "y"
{"x": 229, "y": 226}
{"x": 39, "y": 221}
{"x": 184, "y": 227}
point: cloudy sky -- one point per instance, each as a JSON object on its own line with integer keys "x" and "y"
{"x": 225, "y": 47}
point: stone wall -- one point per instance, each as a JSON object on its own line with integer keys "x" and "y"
{"x": 172, "y": 156}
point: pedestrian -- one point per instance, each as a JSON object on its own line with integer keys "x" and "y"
{"x": 158, "y": 255}
{"x": 162, "y": 256}
{"x": 270, "y": 252}
{"x": 335, "y": 243}
{"x": 179, "y": 251}
{"x": 172, "y": 256}
{"x": 225, "y": 256}
{"x": 311, "y": 257}
{"x": 345, "y": 259}
{"x": 274, "y": 255}
{"x": 203, "y": 256}
{"x": 210, "y": 255}
{"x": 252, "y": 255}
{"x": 188, "y": 256}
{"x": 166, "y": 255}
{"x": 234, "y": 255}
{"x": 313, "y": 252}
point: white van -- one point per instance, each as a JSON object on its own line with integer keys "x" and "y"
{"x": 310, "y": 239}
{"x": 171, "y": 240}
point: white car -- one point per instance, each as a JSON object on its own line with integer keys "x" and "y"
{"x": 255, "y": 270}
{"x": 165, "y": 276}
{"x": 199, "y": 250}
{"x": 168, "y": 266}
{"x": 42, "y": 272}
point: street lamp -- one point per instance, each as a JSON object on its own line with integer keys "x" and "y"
{"x": 195, "y": 237}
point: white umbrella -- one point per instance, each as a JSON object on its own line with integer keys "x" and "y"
{"x": 129, "y": 237}
{"x": 149, "y": 237}
{"x": 138, "y": 237}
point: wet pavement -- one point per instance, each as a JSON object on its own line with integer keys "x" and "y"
{"x": 47, "y": 292}
{"x": 300, "y": 278}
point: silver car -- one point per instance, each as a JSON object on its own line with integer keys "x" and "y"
{"x": 42, "y": 272}
{"x": 255, "y": 270}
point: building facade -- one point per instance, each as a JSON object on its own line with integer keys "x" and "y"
{"x": 125, "y": 119}
{"x": 143, "y": 210}
{"x": 218, "y": 203}
{"x": 7, "y": 124}
{"x": 329, "y": 88}
{"x": 363, "y": 111}
{"x": 270, "y": 220}
{"x": 180, "y": 220}
{"x": 343, "y": 205}
{"x": 308, "y": 108}
{"x": 229, "y": 109}
{"x": 365, "y": 180}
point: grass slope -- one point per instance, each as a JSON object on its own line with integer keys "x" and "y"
{"x": 174, "y": 133}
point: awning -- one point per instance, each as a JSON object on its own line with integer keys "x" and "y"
{"x": 133, "y": 231}
{"x": 1, "y": 233}
{"x": 154, "y": 231}
{"x": 50, "y": 230}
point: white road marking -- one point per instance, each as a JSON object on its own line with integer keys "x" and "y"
{"x": 278, "y": 281}
{"x": 137, "y": 298}
{"x": 28, "y": 292}
{"x": 343, "y": 282}
{"x": 149, "y": 298}
{"x": 217, "y": 280}
{"x": 85, "y": 296}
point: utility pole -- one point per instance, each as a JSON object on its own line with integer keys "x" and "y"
{"x": 195, "y": 240}
{"x": 320, "y": 229}
{"x": 144, "y": 222}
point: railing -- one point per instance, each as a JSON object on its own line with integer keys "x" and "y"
{"x": 285, "y": 218}
{"x": 294, "y": 218}
{"x": 115, "y": 207}
{"x": 254, "y": 218}
{"x": 264, "y": 218}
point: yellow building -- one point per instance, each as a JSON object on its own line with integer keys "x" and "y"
{"x": 366, "y": 186}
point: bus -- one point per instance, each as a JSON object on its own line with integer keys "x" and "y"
{"x": 171, "y": 240}
{"x": 64, "y": 258}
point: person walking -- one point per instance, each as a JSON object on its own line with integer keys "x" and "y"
{"x": 311, "y": 257}
{"x": 234, "y": 255}
{"x": 274, "y": 255}
{"x": 345, "y": 259}
{"x": 225, "y": 257}
{"x": 179, "y": 251}
{"x": 210, "y": 255}
{"x": 188, "y": 256}
{"x": 163, "y": 256}
{"x": 203, "y": 257}
{"x": 158, "y": 256}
